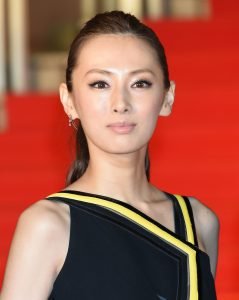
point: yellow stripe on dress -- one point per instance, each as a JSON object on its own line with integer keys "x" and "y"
{"x": 193, "y": 282}
{"x": 189, "y": 229}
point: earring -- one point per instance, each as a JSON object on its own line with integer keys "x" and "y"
{"x": 72, "y": 122}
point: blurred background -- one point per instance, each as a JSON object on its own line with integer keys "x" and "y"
{"x": 194, "y": 152}
{"x": 35, "y": 35}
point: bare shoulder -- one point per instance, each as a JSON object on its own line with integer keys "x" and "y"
{"x": 207, "y": 228}
{"x": 44, "y": 220}
{"x": 45, "y": 215}
{"x": 204, "y": 215}
{"x": 46, "y": 223}
{"x": 38, "y": 250}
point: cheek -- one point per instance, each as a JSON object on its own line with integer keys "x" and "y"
{"x": 151, "y": 108}
{"x": 88, "y": 106}
{"x": 149, "y": 115}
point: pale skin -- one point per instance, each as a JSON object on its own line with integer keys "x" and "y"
{"x": 108, "y": 88}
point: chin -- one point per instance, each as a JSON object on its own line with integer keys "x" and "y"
{"x": 120, "y": 144}
{"x": 121, "y": 149}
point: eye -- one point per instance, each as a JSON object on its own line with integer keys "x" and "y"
{"x": 99, "y": 84}
{"x": 142, "y": 84}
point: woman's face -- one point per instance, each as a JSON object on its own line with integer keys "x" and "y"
{"x": 118, "y": 92}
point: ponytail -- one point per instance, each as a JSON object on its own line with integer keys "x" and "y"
{"x": 81, "y": 162}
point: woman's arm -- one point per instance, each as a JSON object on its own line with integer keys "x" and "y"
{"x": 37, "y": 252}
{"x": 207, "y": 228}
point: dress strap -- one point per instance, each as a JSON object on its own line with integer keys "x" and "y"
{"x": 187, "y": 214}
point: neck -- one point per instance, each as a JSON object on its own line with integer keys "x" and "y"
{"x": 120, "y": 176}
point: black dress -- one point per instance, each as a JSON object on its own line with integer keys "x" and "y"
{"x": 117, "y": 252}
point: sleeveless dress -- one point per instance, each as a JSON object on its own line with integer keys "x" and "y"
{"x": 116, "y": 252}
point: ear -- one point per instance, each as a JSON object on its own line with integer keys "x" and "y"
{"x": 167, "y": 106}
{"x": 67, "y": 102}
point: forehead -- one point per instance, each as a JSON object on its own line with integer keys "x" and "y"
{"x": 117, "y": 50}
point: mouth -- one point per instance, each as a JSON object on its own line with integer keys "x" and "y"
{"x": 121, "y": 127}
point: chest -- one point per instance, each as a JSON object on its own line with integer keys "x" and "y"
{"x": 111, "y": 257}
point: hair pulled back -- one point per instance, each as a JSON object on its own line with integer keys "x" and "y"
{"x": 114, "y": 22}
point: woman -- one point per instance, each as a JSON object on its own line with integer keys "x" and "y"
{"x": 111, "y": 234}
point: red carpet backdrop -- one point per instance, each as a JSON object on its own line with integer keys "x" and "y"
{"x": 193, "y": 152}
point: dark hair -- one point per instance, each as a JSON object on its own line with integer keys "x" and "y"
{"x": 114, "y": 22}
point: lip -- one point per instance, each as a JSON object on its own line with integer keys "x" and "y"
{"x": 122, "y": 127}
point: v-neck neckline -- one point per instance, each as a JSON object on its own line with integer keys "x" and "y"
{"x": 178, "y": 232}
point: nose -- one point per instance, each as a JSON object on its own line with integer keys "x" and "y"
{"x": 120, "y": 102}
{"x": 120, "y": 109}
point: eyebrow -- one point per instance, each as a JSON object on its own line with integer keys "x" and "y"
{"x": 106, "y": 72}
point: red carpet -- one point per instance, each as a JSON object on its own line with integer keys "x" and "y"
{"x": 194, "y": 152}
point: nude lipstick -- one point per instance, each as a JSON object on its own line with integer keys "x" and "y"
{"x": 122, "y": 127}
